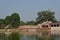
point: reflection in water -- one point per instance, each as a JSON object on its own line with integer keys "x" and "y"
{"x": 30, "y": 36}
{"x": 2, "y": 36}
{"x": 13, "y": 36}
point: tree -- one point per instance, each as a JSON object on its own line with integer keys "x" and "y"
{"x": 8, "y": 20}
{"x": 15, "y": 20}
{"x": 2, "y": 23}
{"x": 44, "y": 15}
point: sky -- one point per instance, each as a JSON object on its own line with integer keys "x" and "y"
{"x": 28, "y": 9}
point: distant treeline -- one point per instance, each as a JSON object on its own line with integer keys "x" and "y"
{"x": 15, "y": 22}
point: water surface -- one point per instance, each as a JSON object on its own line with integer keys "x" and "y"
{"x": 30, "y": 36}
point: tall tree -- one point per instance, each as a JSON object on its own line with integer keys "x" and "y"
{"x": 44, "y": 15}
{"x": 15, "y": 20}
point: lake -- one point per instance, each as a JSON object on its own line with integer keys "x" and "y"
{"x": 30, "y": 36}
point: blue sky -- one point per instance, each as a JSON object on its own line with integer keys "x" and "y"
{"x": 28, "y": 9}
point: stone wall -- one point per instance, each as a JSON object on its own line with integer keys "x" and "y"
{"x": 55, "y": 30}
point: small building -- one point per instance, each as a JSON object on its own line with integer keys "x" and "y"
{"x": 49, "y": 24}
{"x": 45, "y": 24}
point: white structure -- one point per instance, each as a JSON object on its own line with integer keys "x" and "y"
{"x": 45, "y": 24}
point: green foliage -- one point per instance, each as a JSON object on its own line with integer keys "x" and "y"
{"x": 15, "y": 24}
{"x": 15, "y": 20}
{"x": 22, "y": 23}
{"x": 2, "y": 23}
{"x": 8, "y": 20}
{"x": 44, "y": 15}
{"x": 30, "y": 23}
{"x": 27, "y": 23}
{"x": 15, "y": 17}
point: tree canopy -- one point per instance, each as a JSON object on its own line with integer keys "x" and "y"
{"x": 7, "y": 20}
{"x": 15, "y": 20}
{"x": 45, "y": 15}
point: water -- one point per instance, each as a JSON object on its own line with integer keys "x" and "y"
{"x": 30, "y": 36}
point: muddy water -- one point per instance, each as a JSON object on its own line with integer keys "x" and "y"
{"x": 30, "y": 36}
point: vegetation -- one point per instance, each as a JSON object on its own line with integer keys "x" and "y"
{"x": 30, "y": 23}
{"x": 7, "y": 20}
{"x": 45, "y": 15}
{"x": 14, "y": 19}
{"x": 22, "y": 23}
{"x": 2, "y": 23}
